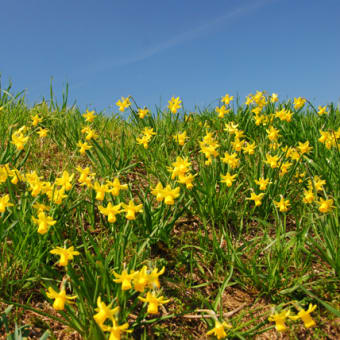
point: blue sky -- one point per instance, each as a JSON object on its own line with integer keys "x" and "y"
{"x": 152, "y": 50}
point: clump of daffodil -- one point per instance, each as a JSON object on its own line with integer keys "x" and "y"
{"x": 65, "y": 181}
{"x": 174, "y": 104}
{"x": 66, "y": 254}
{"x": 90, "y": 133}
{"x": 231, "y": 159}
{"x": 123, "y": 103}
{"x": 146, "y": 137}
{"x": 86, "y": 177}
{"x": 59, "y": 298}
{"x": 208, "y": 147}
{"x": 167, "y": 194}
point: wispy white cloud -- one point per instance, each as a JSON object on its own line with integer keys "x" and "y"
{"x": 192, "y": 34}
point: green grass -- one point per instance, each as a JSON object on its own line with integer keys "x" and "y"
{"x": 213, "y": 241}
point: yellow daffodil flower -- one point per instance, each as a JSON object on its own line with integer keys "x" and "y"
{"x": 59, "y": 298}
{"x": 44, "y": 222}
{"x": 219, "y": 329}
{"x": 124, "y": 278}
{"x": 153, "y": 302}
{"x": 5, "y": 203}
{"x": 304, "y": 315}
{"x": 279, "y": 319}
{"x": 104, "y": 312}
{"x": 66, "y": 254}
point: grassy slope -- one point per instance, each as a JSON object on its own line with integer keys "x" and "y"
{"x": 221, "y": 253}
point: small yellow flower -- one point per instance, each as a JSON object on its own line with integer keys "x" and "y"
{"x": 66, "y": 254}
{"x": 308, "y": 196}
{"x": 304, "y": 315}
{"x": 83, "y": 147}
{"x": 228, "y": 179}
{"x": 36, "y": 120}
{"x": 180, "y": 138}
{"x": 256, "y": 198}
{"x": 153, "y": 302}
{"x": 42, "y": 132}
{"x": 262, "y": 182}
{"x": 279, "y": 319}
{"x": 100, "y": 189}
{"x": 153, "y": 278}
{"x": 4, "y": 203}
{"x": 116, "y": 330}
{"x": 115, "y": 186}
{"x": 110, "y": 211}
{"x": 89, "y": 116}
{"x": 131, "y": 209}
{"x": 123, "y": 103}
{"x": 299, "y": 103}
{"x": 322, "y": 110}
{"x": 44, "y": 222}
{"x": 222, "y": 111}
{"x": 59, "y": 298}
{"x": 142, "y": 112}
{"x": 18, "y": 138}
{"x": 227, "y": 99}
{"x": 219, "y": 329}
{"x": 140, "y": 280}
{"x": 274, "y": 97}
{"x": 272, "y": 160}
{"x": 104, "y": 312}
{"x": 124, "y": 278}
{"x": 174, "y": 104}
{"x": 282, "y": 205}
{"x": 325, "y": 205}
